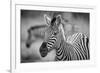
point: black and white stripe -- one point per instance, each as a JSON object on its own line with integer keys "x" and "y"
{"x": 51, "y": 41}
{"x": 76, "y": 48}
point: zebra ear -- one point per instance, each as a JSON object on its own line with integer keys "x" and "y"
{"x": 47, "y": 19}
{"x": 58, "y": 19}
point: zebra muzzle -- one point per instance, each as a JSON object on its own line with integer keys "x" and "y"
{"x": 43, "y": 49}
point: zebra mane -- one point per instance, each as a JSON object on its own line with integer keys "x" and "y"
{"x": 62, "y": 30}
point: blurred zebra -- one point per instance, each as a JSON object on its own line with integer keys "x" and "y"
{"x": 74, "y": 48}
{"x": 35, "y": 32}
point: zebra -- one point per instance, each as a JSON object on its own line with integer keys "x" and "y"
{"x": 34, "y": 31}
{"x": 74, "y": 48}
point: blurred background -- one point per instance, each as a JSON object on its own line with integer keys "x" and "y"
{"x": 33, "y": 27}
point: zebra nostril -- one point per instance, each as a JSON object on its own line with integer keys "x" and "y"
{"x": 27, "y": 45}
{"x": 43, "y": 50}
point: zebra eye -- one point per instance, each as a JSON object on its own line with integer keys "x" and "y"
{"x": 55, "y": 33}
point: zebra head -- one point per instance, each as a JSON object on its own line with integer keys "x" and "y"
{"x": 52, "y": 34}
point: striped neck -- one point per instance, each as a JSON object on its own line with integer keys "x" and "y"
{"x": 65, "y": 51}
